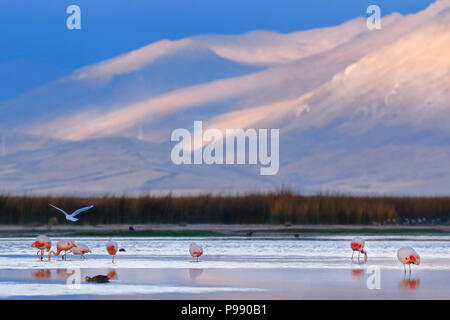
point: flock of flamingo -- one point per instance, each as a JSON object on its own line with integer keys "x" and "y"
{"x": 43, "y": 243}
{"x": 405, "y": 255}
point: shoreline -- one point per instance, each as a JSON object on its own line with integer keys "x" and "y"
{"x": 214, "y": 230}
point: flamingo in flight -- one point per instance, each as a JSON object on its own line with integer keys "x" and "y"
{"x": 81, "y": 250}
{"x": 195, "y": 250}
{"x": 71, "y": 217}
{"x": 357, "y": 244}
{"x": 408, "y": 255}
{"x": 112, "y": 247}
{"x": 42, "y": 243}
{"x": 62, "y": 245}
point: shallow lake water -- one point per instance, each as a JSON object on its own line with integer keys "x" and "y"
{"x": 268, "y": 267}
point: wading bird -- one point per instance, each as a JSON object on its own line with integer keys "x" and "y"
{"x": 42, "y": 243}
{"x": 62, "y": 245}
{"x": 357, "y": 244}
{"x": 112, "y": 247}
{"x": 98, "y": 278}
{"x": 195, "y": 250}
{"x": 408, "y": 255}
{"x": 71, "y": 217}
{"x": 80, "y": 250}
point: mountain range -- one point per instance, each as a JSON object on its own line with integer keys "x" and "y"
{"x": 359, "y": 111}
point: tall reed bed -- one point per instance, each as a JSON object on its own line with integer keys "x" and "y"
{"x": 282, "y": 207}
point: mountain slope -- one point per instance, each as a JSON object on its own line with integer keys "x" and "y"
{"x": 366, "y": 113}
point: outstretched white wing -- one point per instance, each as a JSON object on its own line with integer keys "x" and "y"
{"x": 65, "y": 213}
{"x": 81, "y": 210}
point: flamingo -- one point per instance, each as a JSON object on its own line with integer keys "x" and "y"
{"x": 408, "y": 255}
{"x": 195, "y": 250}
{"x": 80, "y": 250}
{"x": 112, "y": 247}
{"x": 357, "y": 244}
{"x": 42, "y": 243}
{"x": 62, "y": 245}
{"x": 71, "y": 217}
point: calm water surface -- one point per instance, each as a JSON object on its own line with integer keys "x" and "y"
{"x": 144, "y": 267}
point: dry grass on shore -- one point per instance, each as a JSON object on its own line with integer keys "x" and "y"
{"x": 282, "y": 207}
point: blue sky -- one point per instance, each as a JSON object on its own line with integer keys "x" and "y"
{"x": 36, "y": 30}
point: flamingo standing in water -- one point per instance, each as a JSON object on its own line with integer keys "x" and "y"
{"x": 62, "y": 245}
{"x": 112, "y": 247}
{"x": 42, "y": 243}
{"x": 357, "y": 244}
{"x": 408, "y": 255}
{"x": 80, "y": 250}
{"x": 195, "y": 250}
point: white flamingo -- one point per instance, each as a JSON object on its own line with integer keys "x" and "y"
{"x": 195, "y": 250}
{"x": 112, "y": 247}
{"x": 81, "y": 250}
{"x": 42, "y": 243}
{"x": 357, "y": 244}
{"x": 408, "y": 256}
{"x": 71, "y": 217}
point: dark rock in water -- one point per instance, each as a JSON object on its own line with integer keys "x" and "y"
{"x": 121, "y": 250}
{"x": 131, "y": 228}
{"x": 296, "y": 235}
{"x": 249, "y": 234}
{"x": 99, "y": 278}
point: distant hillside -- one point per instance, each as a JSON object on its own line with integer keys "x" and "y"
{"x": 359, "y": 111}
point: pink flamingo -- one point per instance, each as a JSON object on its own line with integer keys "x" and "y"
{"x": 42, "y": 243}
{"x": 408, "y": 255}
{"x": 357, "y": 244}
{"x": 195, "y": 250}
{"x": 80, "y": 250}
{"x": 112, "y": 247}
{"x": 62, "y": 245}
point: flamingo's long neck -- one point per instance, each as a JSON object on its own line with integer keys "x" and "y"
{"x": 58, "y": 251}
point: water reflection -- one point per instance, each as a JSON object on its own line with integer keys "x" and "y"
{"x": 357, "y": 273}
{"x": 41, "y": 274}
{"x": 408, "y": 284}
{"x": 63, "y": 273}
{"x": 112, "y": 274}
{"x": 195, "y": 273}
